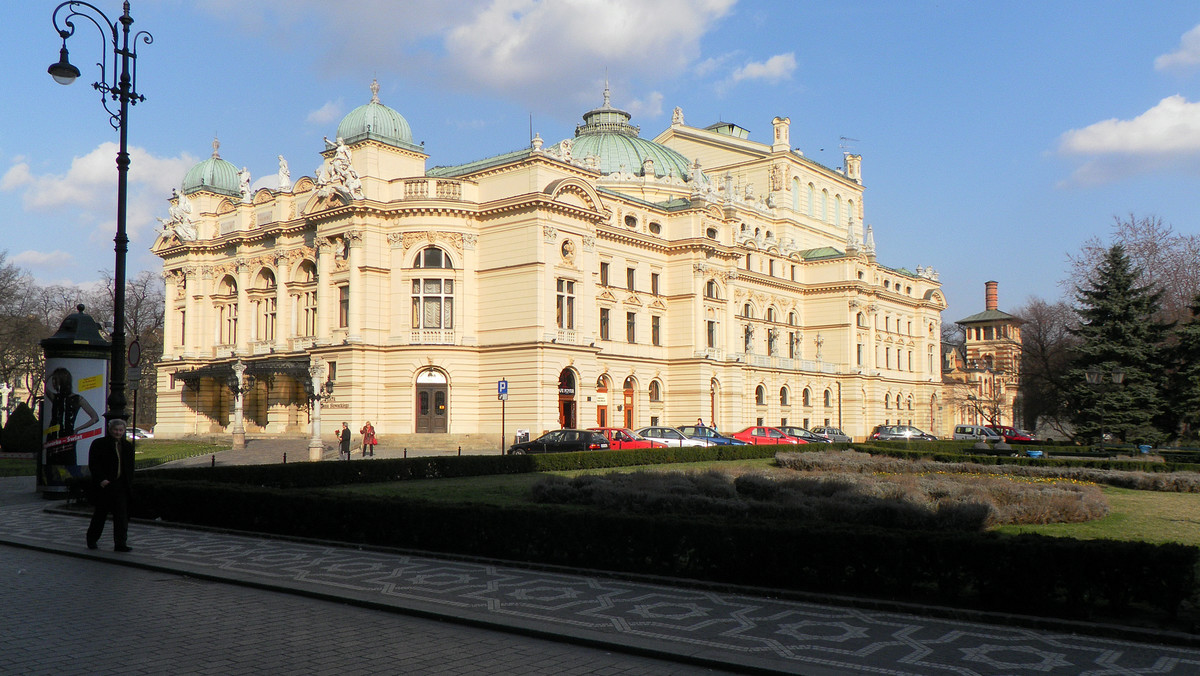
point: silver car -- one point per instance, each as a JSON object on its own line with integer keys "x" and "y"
{"x": 834, "y": 434}
{"x": 671, "y": 437}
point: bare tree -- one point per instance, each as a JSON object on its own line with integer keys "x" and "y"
{"x": 1046, "y": 343}
{"x": 1167, "y": 259}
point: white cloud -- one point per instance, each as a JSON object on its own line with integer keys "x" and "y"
{"x": 1171, "y": 127}
{"x": 1164, "y": 138}
{"x": 775, "y": 69}
{"x": 1187, "y": 56}
{"x": 43, "y": 259}
{"x": 85, "y": 194}
{"x": 326, "y": 114}
{"x": 651, "y": 106}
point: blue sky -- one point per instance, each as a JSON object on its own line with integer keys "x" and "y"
{"x": 996, "y": 136}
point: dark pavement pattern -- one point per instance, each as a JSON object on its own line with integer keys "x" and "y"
{"x": 687, "y": 629}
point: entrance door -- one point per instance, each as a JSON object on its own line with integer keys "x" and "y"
{"x": 431, "y": 409}
{"x": 566, "y": 399}
{"x": 432, "y": 403}
{"x": 602, "y": 402}
{"x": 628, "y": 402}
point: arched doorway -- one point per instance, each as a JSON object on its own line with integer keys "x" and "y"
{"x": 566, "y": 399}
{"x": 629, "y": 396}
{"x": 433, "y": 402}
{"x": 602, "y": 386}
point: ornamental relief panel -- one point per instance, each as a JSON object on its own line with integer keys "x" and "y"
{"x": 589, "y": 243}
{"x": 452, "y": 240}
{"x": 549, "y": 234}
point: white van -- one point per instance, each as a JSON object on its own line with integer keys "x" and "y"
{"x": 976, "y": 433}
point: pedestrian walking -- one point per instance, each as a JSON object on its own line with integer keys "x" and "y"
{"x": 110, "y": 462}
{"x": 344, "y": 437}
{"x": 368, "y": 436}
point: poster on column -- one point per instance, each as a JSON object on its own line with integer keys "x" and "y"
{"x": 71, "y": 415}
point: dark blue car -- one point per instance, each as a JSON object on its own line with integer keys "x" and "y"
{"x": 709, "y": 434}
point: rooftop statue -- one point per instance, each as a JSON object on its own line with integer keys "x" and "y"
{"x": 179, "y": 218}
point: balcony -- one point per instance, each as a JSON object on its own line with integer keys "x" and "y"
{"x": 432, "y": 337}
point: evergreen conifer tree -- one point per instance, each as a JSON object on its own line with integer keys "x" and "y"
{"x": 1117, "y": 331}
{"x": 1185, "y": 381}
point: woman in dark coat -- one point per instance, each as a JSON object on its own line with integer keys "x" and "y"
{"x": 344, "y": 437}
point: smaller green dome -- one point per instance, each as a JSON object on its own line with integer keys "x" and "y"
{"x": 607, "y": 135}
{"x": 377, "y": 122}
{"x": 214, "y": 174}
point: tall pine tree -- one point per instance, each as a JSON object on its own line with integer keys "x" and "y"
{"x": 1185, "y": 381}
{"x": 1117, "y": 331}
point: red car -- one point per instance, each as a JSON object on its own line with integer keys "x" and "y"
{"x": 766, "y": 435}
{"x": 1012, "y": 435}
{"x": 620, "y": 438}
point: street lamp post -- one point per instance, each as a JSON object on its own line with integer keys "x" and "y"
{"x": 1095, "y": 378}
{"x": 118, "y": 82}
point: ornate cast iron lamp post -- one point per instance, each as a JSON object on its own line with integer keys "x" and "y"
{"x": 118, "y": 82}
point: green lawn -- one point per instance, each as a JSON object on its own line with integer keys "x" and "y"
{"x": 1149, "y": 516}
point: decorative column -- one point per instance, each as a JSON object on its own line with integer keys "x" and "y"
{"x": 283, "y": 305}
{"x": 237, "y": 384}
{"x": 5, "y": 391}
{"x": 246, "y": 315}
{"x": 207, "y": 331}
{"x": 172, "y": 282}
{"x": 355, "y": 239}
{"x": 326, "y": 303}
{"x": 316, "y": 385}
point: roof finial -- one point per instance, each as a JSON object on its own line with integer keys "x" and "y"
{"x": 374, "y": 90}
{"x": 606, "y": 94}
{"x": 216, "y": 145}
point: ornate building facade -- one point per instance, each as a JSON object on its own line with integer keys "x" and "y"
{"x": 609, "y": 279}
{"x": 982, "y": 375}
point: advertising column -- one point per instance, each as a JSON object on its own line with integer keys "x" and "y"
{"x": 73, "y": 407}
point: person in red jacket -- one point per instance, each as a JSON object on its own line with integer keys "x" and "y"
{"x": 110, "y": 462}
{"x": 368, "y": 437}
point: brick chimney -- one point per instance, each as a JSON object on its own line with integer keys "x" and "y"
{"x": 992, "y": 296}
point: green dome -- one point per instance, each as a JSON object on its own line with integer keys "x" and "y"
{"x": 607, "y": 134}
{"x": 214, "y": 174}
{"x": 377, "y": 122}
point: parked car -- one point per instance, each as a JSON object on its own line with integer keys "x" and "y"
{"x": 801, "y": 433}
{"x": 138, "y": 433}
{"x": 1013, "y": 435}
{"x": 766, "y": 435}
{"x": 562, "y": 441}
{"x": 621, "y": 438}
{"x": 834, "y": 434}
{"x": 899, "y": 433}
{"x": 672, "y": 437}
{"x": 709, "y": 434}
{"x": 976, "y": 433}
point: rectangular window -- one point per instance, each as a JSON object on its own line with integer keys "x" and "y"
{"x": 771, "y": 267}
{"x": 182, "y": 327}
{"x": 654, "y": 283}
{"x": 565, "y": 308}
{"x": 631, "y": 327}
{"x": 653, "y": 421}
{"x": 629, "y": 273}
{"x": 793, "y": 273}
{"x": 791, "y": 344}
{"x": 433, "y": 303}
{"x": 343, "y": 306}
{"x": 332, "y": 370}
{"x": 604, "y": 274}
{"x": 309, "y": 300}
{"x": 603, "y": 323}
{"x": 887, "y": 358}
{"x": 805, "y": 425}
{"x": 860, "y": 348}
{"x": 655, "y": 330}
{"x": 711, "y": 330}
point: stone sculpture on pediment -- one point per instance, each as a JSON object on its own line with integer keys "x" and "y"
{"x": 244, "y": 185}
{"x": 589, "y": 243}
{"x": 700, "y": 268}
{"x": 285, "y": 176}
{"x": 549, "y": 234}
{"x": 605, "y": 294}
{"x": 179, "y": 218}
{"x": 677, "y": 116}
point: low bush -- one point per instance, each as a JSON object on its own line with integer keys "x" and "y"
{"x": 855, "y": 462}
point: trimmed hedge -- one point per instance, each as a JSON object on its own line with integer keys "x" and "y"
{"x": 313, "y": 474}
{"x": 932, "y": 450}
{"x": 1026, "y": 574}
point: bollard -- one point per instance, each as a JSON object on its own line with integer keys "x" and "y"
{"x": 460, "y": 451}
{"x": 285, "y": 457}
{"x": 406, "y": 451}
{"x": 214, "y": 460}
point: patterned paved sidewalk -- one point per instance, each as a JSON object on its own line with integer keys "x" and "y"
{"x": 721, "y": 630}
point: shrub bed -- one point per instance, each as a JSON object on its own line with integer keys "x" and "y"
{"x": 1026, "y": 574}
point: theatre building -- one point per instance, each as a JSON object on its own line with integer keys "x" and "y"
{"x": 607, "y": 278}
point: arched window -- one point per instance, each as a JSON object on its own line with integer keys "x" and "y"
{"x": 887, "y": 401}
{"x": 783, "y": 396}
{"x": 806, "y": 397}
{"x": 655, "y": 391}
{"x": 812, "y": 191}
{"x": 770, "y": 314}
{"x": 825, "y": 205}
{"x": 791, "y": 319}
{"x": 828, "y": 398}
{"x": 909, "y": 402}
{"x": 796, "y": 195}
{"x": 711, "y": 290}
{"x": 760, "y": 395}
{"x": 227, "y": 309}
{"x": 265, "y": 306}
{"x": 747, "y": 311}
{"x": 837, "y": 209}
{"x": 860, "y": 320}
{"x": 432, "y": 257}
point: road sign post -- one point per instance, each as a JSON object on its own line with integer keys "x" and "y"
{"x": 502, "y": 395}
